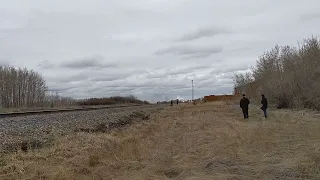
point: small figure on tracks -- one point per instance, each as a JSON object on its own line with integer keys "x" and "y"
{"x": 244, "y": 105}
{"x": 264, "y": 106}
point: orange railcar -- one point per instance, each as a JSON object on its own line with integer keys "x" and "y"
{"x": 220, "y": 97}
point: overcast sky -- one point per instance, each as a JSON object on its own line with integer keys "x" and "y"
{"x": 148, "y": 48}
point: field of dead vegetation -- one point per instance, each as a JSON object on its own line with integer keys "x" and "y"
{"x": 187, "y": 142}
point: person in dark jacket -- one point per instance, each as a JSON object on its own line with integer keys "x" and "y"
{"x": 264, "y": 106}
{"x": 244, "y": 105}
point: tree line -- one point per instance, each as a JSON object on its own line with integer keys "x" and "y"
{"x": 288, "y": 75}
{"x": 23, "y": 88}
{"x": 111, "y": 101}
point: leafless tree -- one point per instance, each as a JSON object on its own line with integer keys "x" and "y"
{"x": 24, "y": 88}
{"x": 290, "y": 76}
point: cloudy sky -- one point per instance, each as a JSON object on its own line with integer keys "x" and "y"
{"x": 148, "y": 48}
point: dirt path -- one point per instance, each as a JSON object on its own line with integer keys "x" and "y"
{"x": 205, "y": 141}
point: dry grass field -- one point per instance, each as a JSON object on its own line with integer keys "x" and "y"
{"x": 187, "y": 142}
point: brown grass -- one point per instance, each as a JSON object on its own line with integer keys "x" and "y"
{"x": 203, "y": 141}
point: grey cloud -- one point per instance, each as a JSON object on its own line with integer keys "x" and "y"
{"x": 156, "y": 75}
{"x": 117, "y": 74}
{"x": 204, "y": 78}
{"x": 88, "y": 62}
{"x": 176, "y": 71}
{"x": 211, "y": 83}
{"x": 197, "y": 56}
{"x": 68, "y": 78}
{"x": 225, "y": 68}
{"x": 189, "y": 69}
{"x": 4, "y": 62}
{"x": 148, "y": 87}
{"x": 312, "y": 15}
{"x": 145, "y": 83}
{"x": 116, "y": 88}
{"x": 71, "y": 87}
{"x": 46, "y": 65}
{"x": 55, "y": 33}
{"x": 59, "y": 90}
{"x": 80, "y": 63}
{"x": 189, "y": 51}
{"x": 87, "y": 75}
{"x": 202, "y": 33}
{"x": 106, "y": 78}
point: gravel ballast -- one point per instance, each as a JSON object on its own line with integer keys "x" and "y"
{"x": 36, "y": 130}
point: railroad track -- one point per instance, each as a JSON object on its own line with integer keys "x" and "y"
{"x": 26, "y": 113}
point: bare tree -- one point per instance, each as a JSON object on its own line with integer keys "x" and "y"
{"x": 23, "y": 88}
{"x": 289, "y": 75}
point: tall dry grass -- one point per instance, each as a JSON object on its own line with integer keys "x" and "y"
{"x": 206, "y": 141}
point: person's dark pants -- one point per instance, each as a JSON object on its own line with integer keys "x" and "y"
{"x": 265, "y": 112}
{"x": 245, "y": 113}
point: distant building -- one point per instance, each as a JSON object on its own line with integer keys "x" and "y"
{"x": 218, "y": 98}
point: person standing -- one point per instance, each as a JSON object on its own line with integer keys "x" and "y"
{"x": 264, "y": 106}
{"x": 244, "y": 105}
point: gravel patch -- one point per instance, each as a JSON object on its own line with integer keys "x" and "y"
{"x": 37, "y": 130}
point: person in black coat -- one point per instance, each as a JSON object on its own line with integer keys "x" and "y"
{"x": 264, "y": 106}
{"x": 244, "y": 105}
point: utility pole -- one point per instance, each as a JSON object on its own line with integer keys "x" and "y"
{"x": 192, "y": 89}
